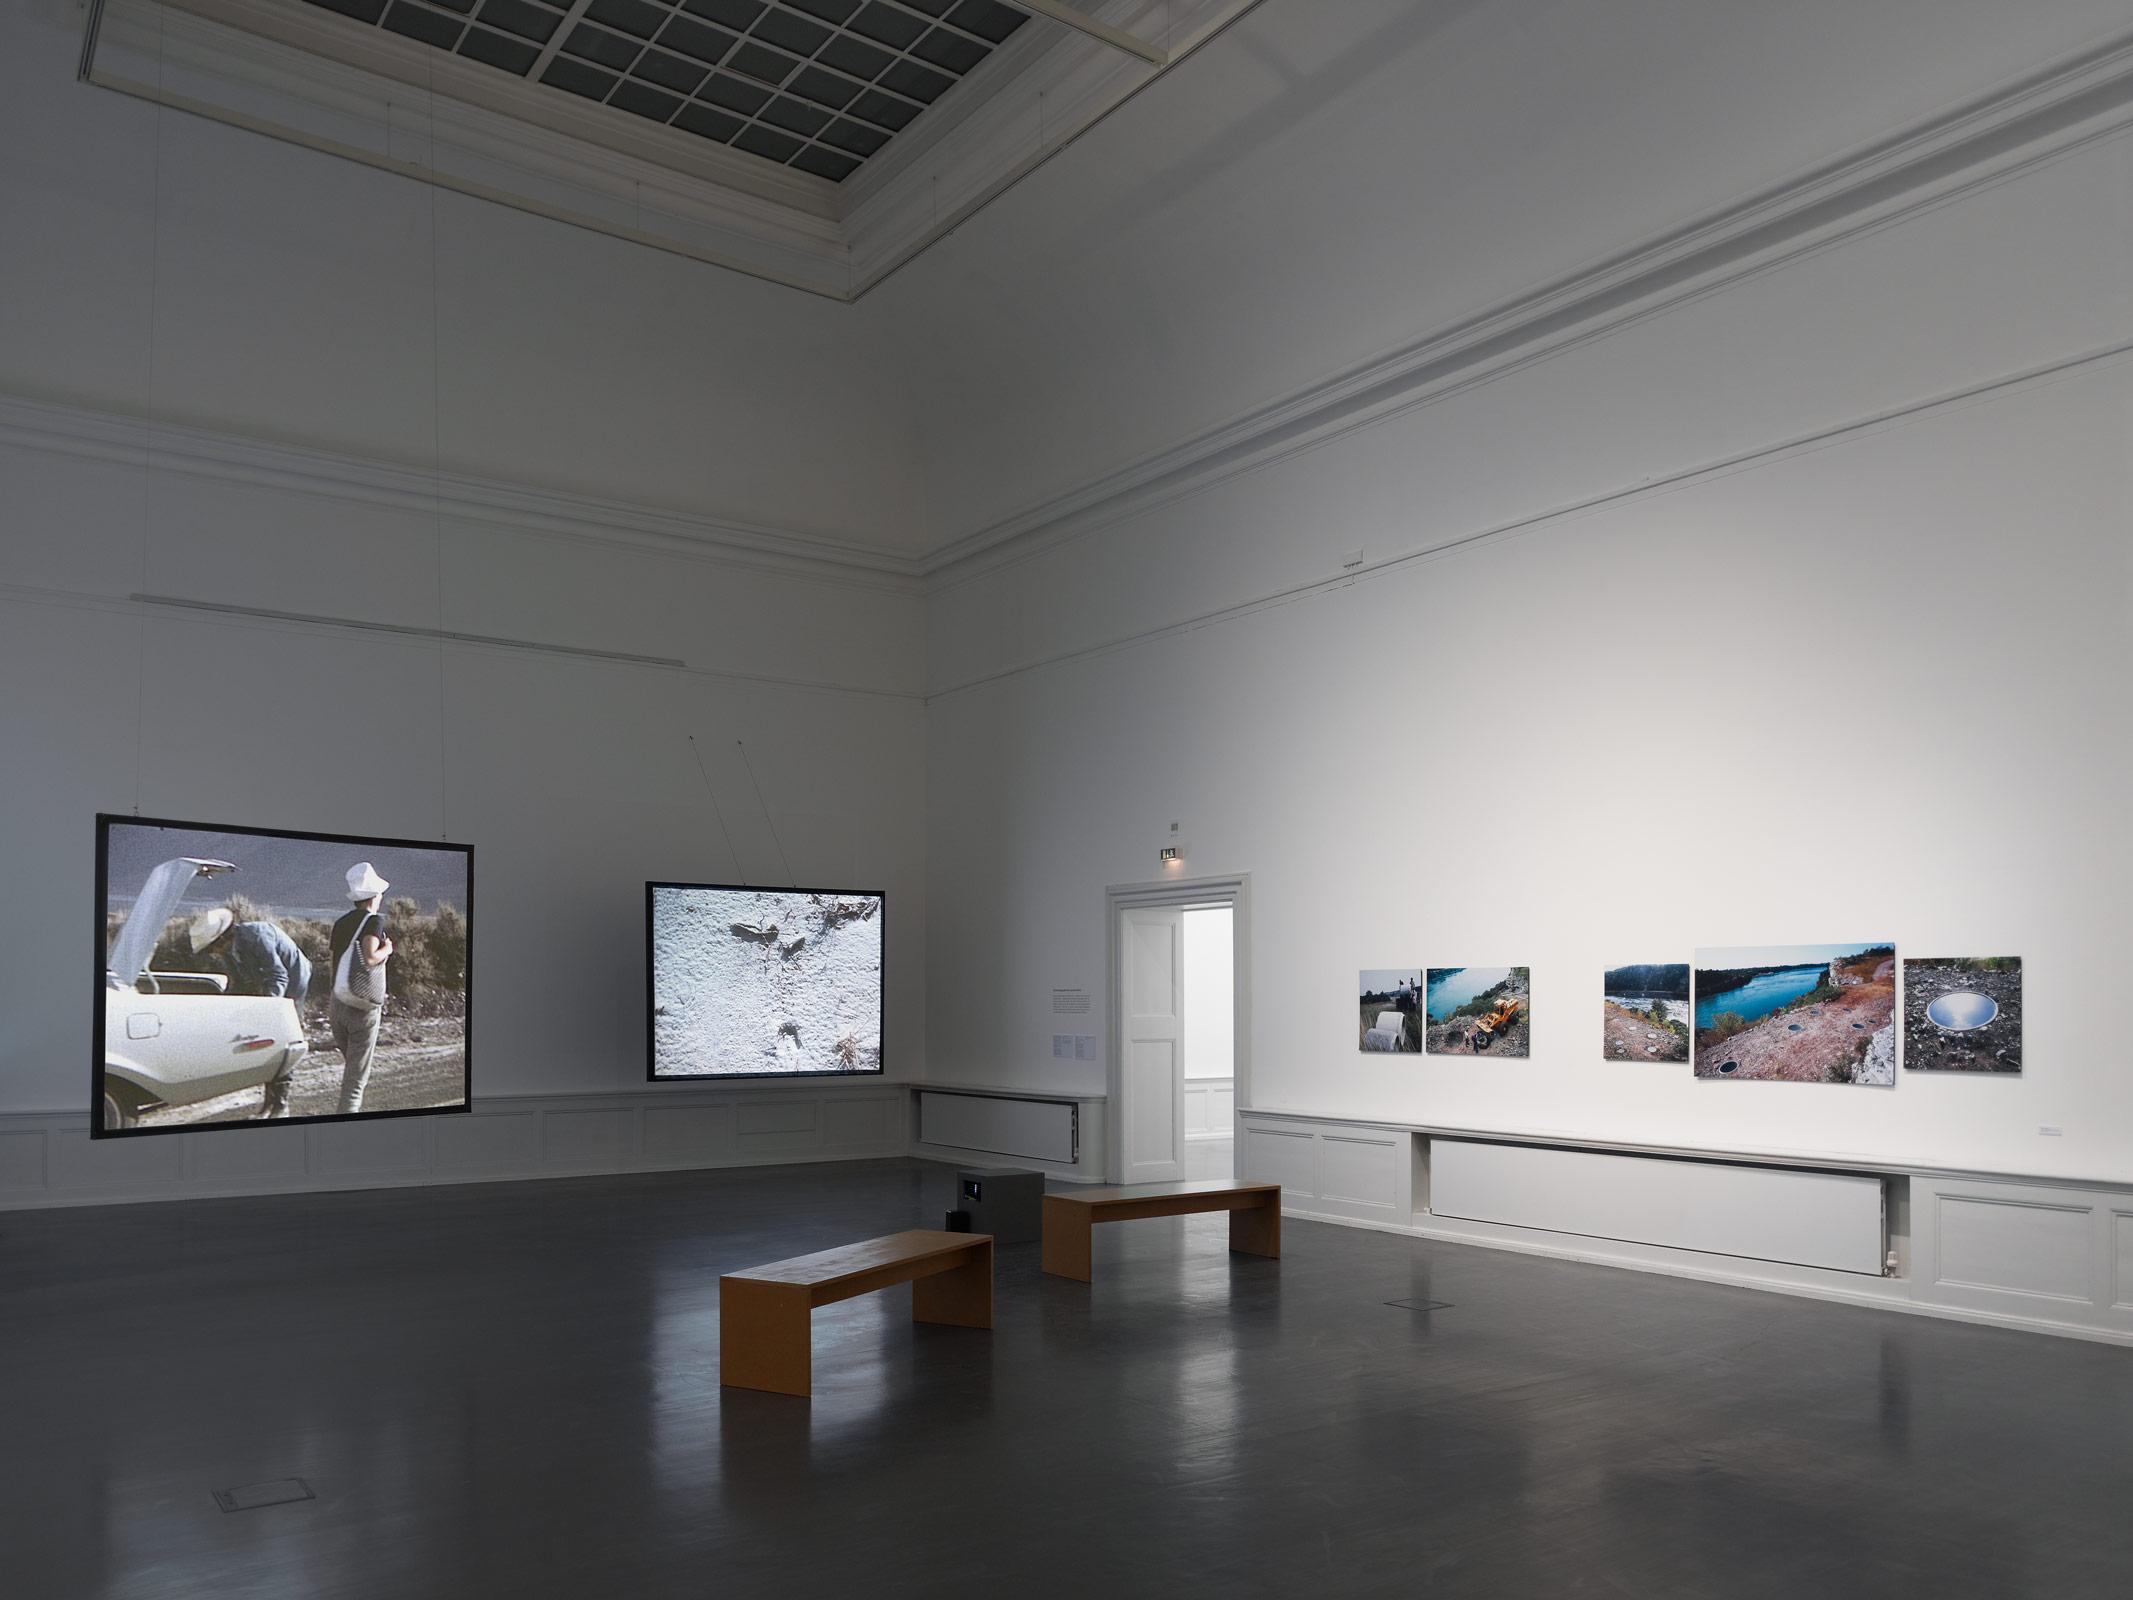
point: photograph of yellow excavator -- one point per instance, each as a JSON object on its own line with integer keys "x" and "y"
{"x": 1479, "y": 1011}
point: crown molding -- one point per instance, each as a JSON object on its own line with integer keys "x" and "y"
{"x": 2035, "y": 118}
{"x": 63, "y": 429}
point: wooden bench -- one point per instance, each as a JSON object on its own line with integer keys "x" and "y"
{"x": 1070, "y": 1218}
{"x": 763, "y": 1313}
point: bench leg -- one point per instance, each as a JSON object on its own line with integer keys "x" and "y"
{"x": 959, "y": 1298}
{"x": 1257, "y": 1230}
{"x": 763, "y": 1337}
{"x": 1067, "y": 1252}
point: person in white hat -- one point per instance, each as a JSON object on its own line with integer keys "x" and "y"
{"x": 360, "y": 951}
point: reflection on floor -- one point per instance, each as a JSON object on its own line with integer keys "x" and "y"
{"x": 512, "y": 1390}
{"x": 1209, "y": 1158}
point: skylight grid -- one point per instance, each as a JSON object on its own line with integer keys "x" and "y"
{"x": 818, "y": 85}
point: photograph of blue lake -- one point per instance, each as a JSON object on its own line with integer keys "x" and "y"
{"x": 1760, "y": 996}
{"x": 1452, "y": 987}
{"x": 1799, "y": 1013}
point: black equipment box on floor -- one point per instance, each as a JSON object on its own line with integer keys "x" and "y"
{"x": 1005, "y": 1202}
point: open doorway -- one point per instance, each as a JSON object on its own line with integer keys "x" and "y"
{"x": 1179, "y": 1067}
{"x": 1210, "y": 1046}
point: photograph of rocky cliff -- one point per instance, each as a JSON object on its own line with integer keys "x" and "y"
{"x": 1962, "y": 1014}
{"x": 1811, "y": 1013}
{"x": 764, "y": 982}
{"x": 1479, "y": 1011}
{"x": 1645, "y": 1012}
{"x": 1391, "y": 1015}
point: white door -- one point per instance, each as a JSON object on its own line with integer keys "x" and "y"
{"x": 1151, "y": 986}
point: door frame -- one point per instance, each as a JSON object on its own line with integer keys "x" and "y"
{"x": 1235, "y": 889}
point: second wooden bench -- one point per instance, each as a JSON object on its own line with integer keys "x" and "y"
{"x": 1069, "y": 1218}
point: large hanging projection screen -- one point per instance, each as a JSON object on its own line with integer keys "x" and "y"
{"x": 254, "y": 975}
{"x": 763, "y": 983}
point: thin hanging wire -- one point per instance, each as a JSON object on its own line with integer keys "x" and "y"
{"x": 444, "y": 737}
{"x": 148, "y": 406}
{"x": 767, "y": 817}
{"x": 712, "y": 793}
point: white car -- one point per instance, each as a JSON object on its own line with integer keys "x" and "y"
{"x": 176, "y": 1038}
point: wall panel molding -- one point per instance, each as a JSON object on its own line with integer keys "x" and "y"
{"x": 48, "y": 1158}
{"x": 527, "y": 510}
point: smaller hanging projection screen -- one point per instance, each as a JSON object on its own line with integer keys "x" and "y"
{"x": 763, "y": 983}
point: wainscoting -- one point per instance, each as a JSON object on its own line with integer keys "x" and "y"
{"x": 48, "y": 1159}
{"x": 2048, "y": 1255}
{"x": 1210, "y": 1108}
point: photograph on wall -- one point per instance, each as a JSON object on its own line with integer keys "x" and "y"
{"x": 1478, "y": 1011}
{"x": 1797, "y": 1013}
{"x": 254, "y": 975}
{"x": 763, "y": 983}
{"x": 1645, "y": 1012}
{"x": 1391, "y": 1019}
{"x": 1962, "y": 1014}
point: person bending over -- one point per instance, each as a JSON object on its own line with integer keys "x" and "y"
{"x": 257, "y": 958}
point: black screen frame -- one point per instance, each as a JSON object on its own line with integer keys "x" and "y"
{"x": 652, "y": 1073}
{"x": 101, "y": 956}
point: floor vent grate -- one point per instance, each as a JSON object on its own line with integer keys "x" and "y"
{"x": 274, "y": 1492}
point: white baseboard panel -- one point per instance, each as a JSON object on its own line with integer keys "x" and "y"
{"x": 1889, "y": 1294}
{"x": 48, "y": 1158}
{"x": 1772, "y": 1214}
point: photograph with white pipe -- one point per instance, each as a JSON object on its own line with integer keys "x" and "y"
{"x": 1391, "y": 1010}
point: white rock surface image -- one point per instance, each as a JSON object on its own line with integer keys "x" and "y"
{"x": 752, "y": 981}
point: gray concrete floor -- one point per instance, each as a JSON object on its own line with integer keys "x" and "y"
{"x": 512, "y": 1390}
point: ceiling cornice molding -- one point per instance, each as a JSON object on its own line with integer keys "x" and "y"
{"x": 517, "y": 508}
{"x": 2032, "y": 119}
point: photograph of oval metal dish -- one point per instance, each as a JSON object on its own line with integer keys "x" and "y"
{"x": 253, "y": 975}
{"x": 1963, "y": 1014}
{"x": 1804, "y": 1013}
{"x": 763, "y": 983}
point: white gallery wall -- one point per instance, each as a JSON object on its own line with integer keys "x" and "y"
{"x": 240, "y": 373}
{"x": 1526, "y": 487}
{"x": 1783, "y": 600}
